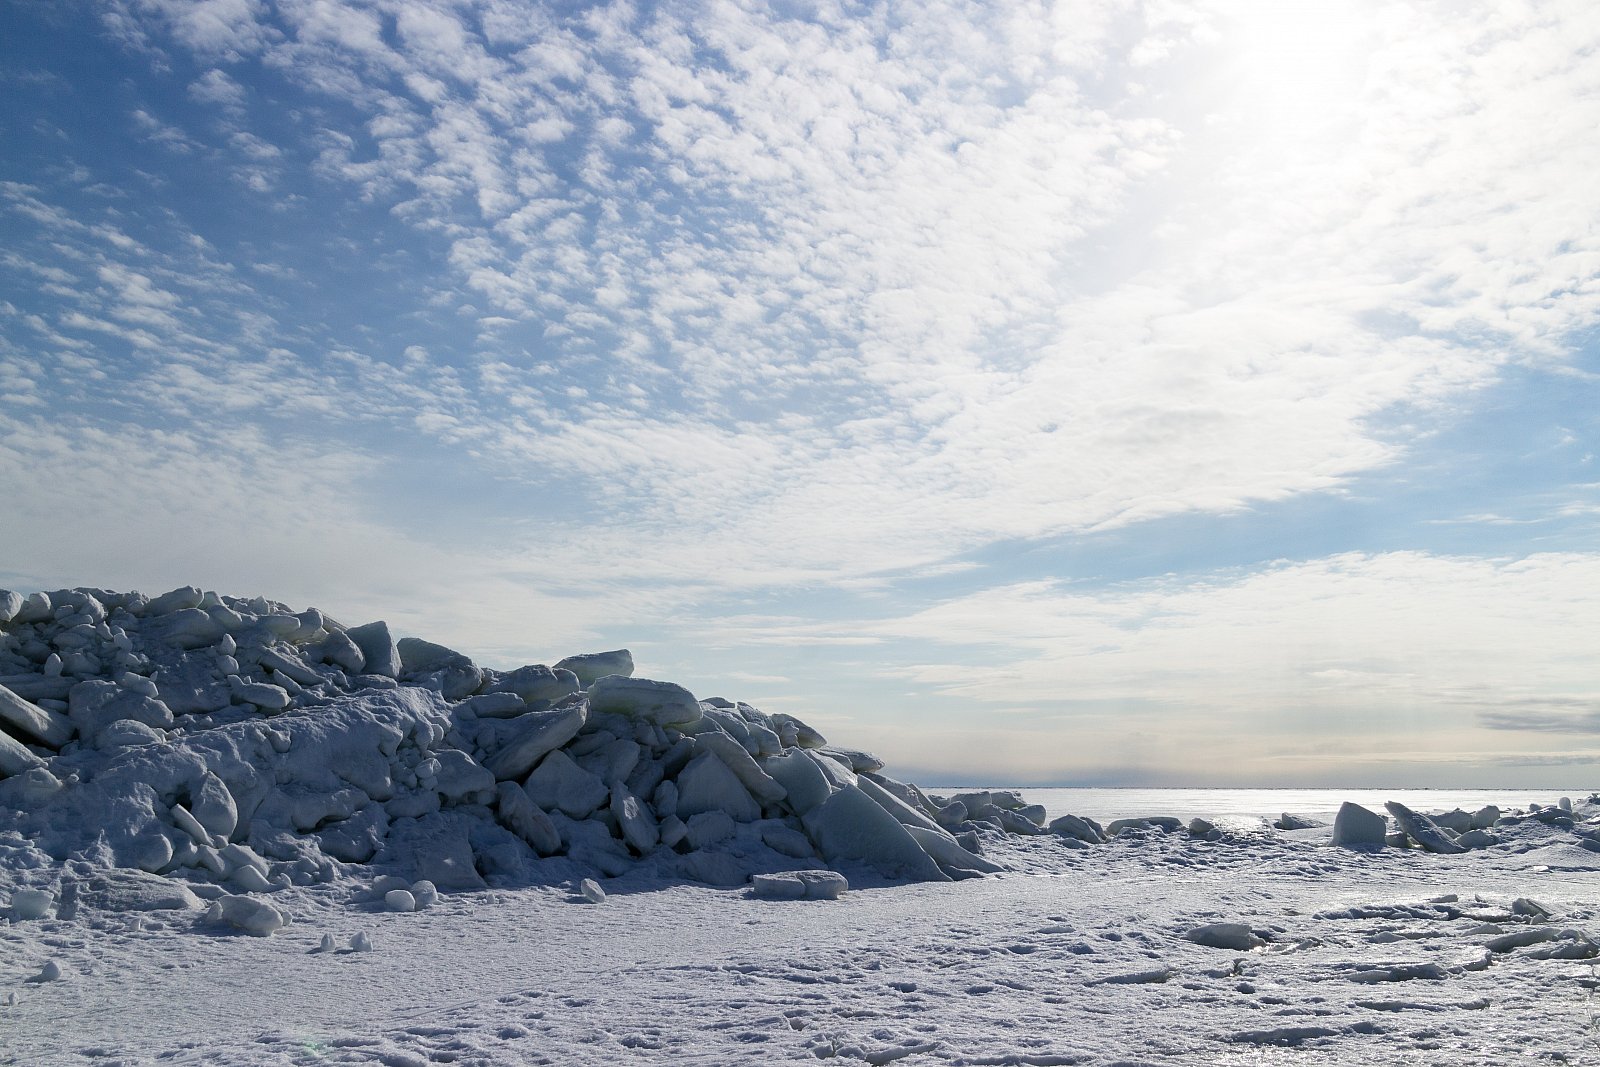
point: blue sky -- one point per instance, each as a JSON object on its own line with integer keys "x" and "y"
{"x": 1082, "y": 393}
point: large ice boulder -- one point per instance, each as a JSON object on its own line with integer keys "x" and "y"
{"x": 559, "y": 783}
{"x": 420, "y": 657}
{"x": 804, "y": 784}
{"x": 536, "y": 684}
{"x": 850, "y": 825}
{"x": 30, "y": 720}
{"x": 903, "y": 812}
{"x": 639, "y": 828}
{"x": 661, "y": 703}
{"x": 1423, "y": 830}
{"x": 592, "y": 666}
{"x": 526, "y": 819}
{"x": 179, "y": 599}
{"x": 1356, "y": 826}
{"x": 536, "y": 733}
{"x": 947, "y": 852}
{"x": 1076, "y": 827}
{"x": 437, "y": 848}
{"x": 338, "y": 649}
{"x": 707, "y": 784}
{"x": 378, "y": 650}
{"x": 458, "y": 777}
{"x": 213, "y": 806}
{"x": 95, "y": 704}
{"x": 761, "y": 785}
{"x": 15, "y": 757}
{"x": 186, "y": 628}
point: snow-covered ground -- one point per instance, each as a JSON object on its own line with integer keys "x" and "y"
{"x": 1075, "y": 957}
{"x": 232, "y": 833}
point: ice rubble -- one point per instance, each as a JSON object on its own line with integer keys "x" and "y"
{"x": 1447, "y": 833}
{"x": 241, "y": 747}
{"x": 195, "y": 748}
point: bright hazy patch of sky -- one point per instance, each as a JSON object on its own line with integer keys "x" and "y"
{"x": 1075, "y": 393}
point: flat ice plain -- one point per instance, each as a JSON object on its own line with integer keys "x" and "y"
{"x": 1076, "y": 957}
{"x": 1246, "y": 945}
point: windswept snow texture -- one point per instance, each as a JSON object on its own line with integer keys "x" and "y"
{"x": 1076, "y": 957}
{"x": 232, "y": 833}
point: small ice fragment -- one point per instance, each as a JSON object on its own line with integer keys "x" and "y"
{"x": 822, "y": 884}
{"x": 136, "y": 683}
{"x": 1531, "y": 909}
{"x": 251, "y": 880}
{"x": 399, "y": 900}
{"x": 385, "y": 883}
{"x": 67, "y": 906}
{"x": 777, "y": 887}
{"x": 590, "y": 890}
{"x": 1520, "y": 939}
{"x": 1233, "y": 936}
{"x": 31, "y": 903}
{"x": 327, "y": 944}
{"x": 361, "y": 943}
{"x": 255, "y": 917}
{"x": 50, "y": 972}
{"x": 1155, "y": 976}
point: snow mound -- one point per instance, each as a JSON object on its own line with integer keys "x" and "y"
{"x": 243, "y": 747}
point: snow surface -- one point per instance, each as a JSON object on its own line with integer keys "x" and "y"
{"x": 1073, "y": 957}
{"x": 231, "y": 833}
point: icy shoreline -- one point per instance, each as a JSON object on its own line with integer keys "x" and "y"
{"x": 420, "y": 845}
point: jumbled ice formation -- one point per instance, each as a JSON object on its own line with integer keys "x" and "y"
{"x": 243, "y": 744}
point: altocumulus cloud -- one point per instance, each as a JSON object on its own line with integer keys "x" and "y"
{"x": 718, "y": 307}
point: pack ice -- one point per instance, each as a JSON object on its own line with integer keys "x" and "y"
{"x": 196, "y": 743}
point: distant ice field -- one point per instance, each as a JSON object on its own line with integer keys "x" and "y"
{"x": 1238, "y": 806}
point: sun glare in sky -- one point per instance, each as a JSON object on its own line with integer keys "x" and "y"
{"x": 1100, "y": 393}
{"x": 1298, "y": 66}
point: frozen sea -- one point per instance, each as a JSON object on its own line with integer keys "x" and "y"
{"x": 1071, "y": 956}
{"x": 1244, "y": 806}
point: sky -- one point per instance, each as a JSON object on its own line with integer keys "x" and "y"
{"x": 1090, "y": 393}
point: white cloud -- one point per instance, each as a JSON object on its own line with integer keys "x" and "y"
{"x": 224, "y": 506}
{"x": 216, "y": 87}
{"x": 769, "y": 301}
{"x": 1332, "y": 662}
{"x": 229, "y": 29}
{"x": 162, "y": 133}
{"x": 854, "y": 225}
